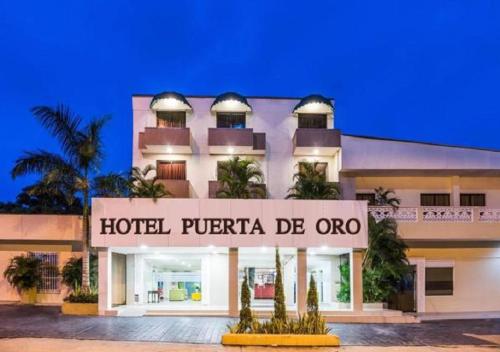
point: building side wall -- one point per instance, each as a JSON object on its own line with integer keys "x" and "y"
{"x": 476, "y": 285}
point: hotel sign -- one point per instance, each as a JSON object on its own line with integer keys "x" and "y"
{"x": 228, "y": 223}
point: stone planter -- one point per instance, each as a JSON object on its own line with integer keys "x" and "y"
{"x": 28, "y": 296}
{"x": 279, "y": 340}
{"x": 79, "y": 308}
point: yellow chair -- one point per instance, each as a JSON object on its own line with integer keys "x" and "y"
{"x": 196, "y": 296}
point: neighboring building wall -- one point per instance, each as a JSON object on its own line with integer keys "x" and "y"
{"x": 21, "y": 234}
{"x": 476, "y": 284}
{"x": 271, "y": 116}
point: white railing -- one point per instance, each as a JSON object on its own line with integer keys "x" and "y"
{"x": 489, "y": 215}
{"x": 400, "y": 214}
{"x": 435, "y": 214}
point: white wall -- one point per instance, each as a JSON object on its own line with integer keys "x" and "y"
{"x": 272, "y": 116}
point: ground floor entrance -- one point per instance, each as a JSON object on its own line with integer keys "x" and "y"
{"x": 208, "y": 279}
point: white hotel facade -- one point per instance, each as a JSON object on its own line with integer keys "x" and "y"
{"x": 449, "y": 215}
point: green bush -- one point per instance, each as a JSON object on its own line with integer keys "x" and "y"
{"x": 246, "y": 317}
{"x": 344, "y": 294}
{"x": 79, "y": 296}
{"x": 24, "y": 272}
{"x": 72, "y": 272}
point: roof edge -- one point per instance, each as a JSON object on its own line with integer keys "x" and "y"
{"x": 422, "y": 142}
{"x": 147, "y": 95}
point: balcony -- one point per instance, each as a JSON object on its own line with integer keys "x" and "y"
{"x": 316, "y": 141}
{"x": 177, "y": 188}
{"x": 165, "y": 140}
{"x": 214, "y": 187}
{"x": 236, "y": 141}
{"x": 443, "y": 223}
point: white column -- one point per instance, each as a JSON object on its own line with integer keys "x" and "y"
{"x": 301, "y": 281}
{"x": 357, "y": 280}
{"x": 105, "y": 280}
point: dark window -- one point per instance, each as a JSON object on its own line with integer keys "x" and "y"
{"x": 171, "y": 170}
{"x": 438, "y": 281}
{"x": 312, "y": 121}
{"x": 472, "y": 200}
{"x": 435, "y": 199}
{"x": 320, "y": 167}
{"x": 231, "y": 120}
{"x": 370, "y": 197}
{"x": 171, "y": 119}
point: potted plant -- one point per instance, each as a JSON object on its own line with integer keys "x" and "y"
{"x": 309, "y": 329}
{"x": 24, "y": 274}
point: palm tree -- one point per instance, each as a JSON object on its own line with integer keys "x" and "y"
{"x": 386, "y": 197}
{"x": 311, "y": 183}
{"x": 143, "y": 187}
{"x": 81, "y": 156}
{"x": 111, "y": 185}
{"x": 240, "y": 179}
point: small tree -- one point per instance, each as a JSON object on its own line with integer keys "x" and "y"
{"x": 240, "y": 179}
{"x": 312, "y": 298}
{"x": 143, "y": 187}
{"x": 279, "y": 293}
{"x": 246, "y": 317}
{"x": 344, "y": 294}
{"x": 72, "y": 272}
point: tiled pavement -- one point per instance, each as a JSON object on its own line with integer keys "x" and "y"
{"x": 23, "y": 321}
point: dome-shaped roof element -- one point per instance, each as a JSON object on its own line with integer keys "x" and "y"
{"x": 170, "y": 101}
{"x": 231, "y": 102}
{"x": 314, "y": 104}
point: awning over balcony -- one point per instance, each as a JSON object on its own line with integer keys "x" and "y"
{"x": 231, "y": 102}
{"x": 314, "y": 104}
{"x": 170, "y": 101}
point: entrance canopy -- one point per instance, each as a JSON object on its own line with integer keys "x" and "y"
{"x": 123, "y": 222}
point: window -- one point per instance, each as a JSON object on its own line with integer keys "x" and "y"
{"x": 435, "y": 199}
{"x": 231, "y": 120}
{"x": 50, "y": 278}
{"x": 312, "y": 120}
{"x": 320, "y": 167}
{"x": 370, "y": 197}
{"x": 171, "y": 170}
{"x": 171, "y": 119}
{"x": 438, "y": 281}
{"x": 472, "y": 200}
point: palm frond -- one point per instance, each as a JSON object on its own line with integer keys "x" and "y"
{"x": 62, "y": 123}
{"x": 42, "y": 162}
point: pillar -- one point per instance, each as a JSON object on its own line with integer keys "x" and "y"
{"x": 348, "y": 187}
{"x": 301, "y": 280}
{"x": 455, "y": 191}
{"x": 357, "y": 280}
{"x": 233, "y": 306}
{"x": 105, "y": 280}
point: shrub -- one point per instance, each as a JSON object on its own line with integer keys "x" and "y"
{"x": 72, "y": 272}
{"x": 279, "y": 293}
{"x": 79, "y": 296}
{"x": 344, "y": 294}
{"x": 246, "y": 317}
{"x": 24, "y": 272}
{"x": 312, "y": 298}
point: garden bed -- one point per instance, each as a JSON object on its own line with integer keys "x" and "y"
{"x": 79, "y": 308}
{"x": 231, "y": 339}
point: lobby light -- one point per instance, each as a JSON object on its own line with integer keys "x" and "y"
{"x": 169, "y": 150}
{"x": 143, "y": 247}
{"x": 324, "y": 248}
{"x": 263, "y": 249}
{"x": 316, "y": 151}
{"x": 230, "y": 150}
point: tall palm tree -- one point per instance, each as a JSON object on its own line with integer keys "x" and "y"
{"x": 311, "y": 183}
{"x": 143, "y": 187}
{"x": 111, "y": 185}
{"x": 82, "y": 152}
{"x": 240, "y": 179}
{"x": 386, "y": 197}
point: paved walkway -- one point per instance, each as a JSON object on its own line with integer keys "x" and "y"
{"x": 37, "y": 345}
{"x": 24, "y": 321}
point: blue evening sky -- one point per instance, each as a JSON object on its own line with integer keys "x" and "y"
{"x": 425, "y": 70}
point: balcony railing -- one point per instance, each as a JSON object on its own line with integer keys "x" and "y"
{"x": 236, "y": 141}
{"x": 436, "y": 214}
{"x": 316, "y": 141}
{"x": 176, "y": 188}
{"x": 165, "y": 140}
{"x": 215, "y": 186}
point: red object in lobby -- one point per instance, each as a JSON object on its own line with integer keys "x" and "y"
{"x": 265, "y": 291}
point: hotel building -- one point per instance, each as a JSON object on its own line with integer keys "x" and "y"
{"x": 188, "y": 254}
